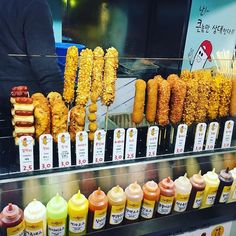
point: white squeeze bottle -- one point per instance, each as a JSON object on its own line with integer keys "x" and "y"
{"x": 35, "y": 219}
{"x": 183, "y": 189}
{"x": 212, "y": 184}
{"x": 232, "y": 195}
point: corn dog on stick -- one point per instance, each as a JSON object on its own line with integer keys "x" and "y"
{"x": 110, "y": 76}
{"x": 190, "y": 101}
{"x": 84, "y": 79}
{"x": 139, "y": 101}
{"x": 225, "y": 96}
{"x": 72, "y": 60}
{"x": 97, "y": 75}
{"x": 152, "y": 91}
{"x": 162, "y": 116}
{"x": 172, "y": 79}
{"x": 233, "y": 98}
{"x": 214, "y": 97}
{"x": 159, "y": 79}
{"x": 186, "y": 75}
{"x": 92, "y": 117}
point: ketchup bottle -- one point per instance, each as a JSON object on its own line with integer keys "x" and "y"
{"x": 12, "y": 221}
{"x": 151, "y": 194}
{"x": 98, "y": 203}
{"x": 167, "y": 194}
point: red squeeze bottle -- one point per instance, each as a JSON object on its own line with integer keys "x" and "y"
{"x": 12, "y": 221}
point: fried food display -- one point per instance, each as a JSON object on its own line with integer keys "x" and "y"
{"x": 233, "y": 98}
{"x": 72, "y": 60}
{"x": 139, "y": 101}
{"x": 110, "y": 76}
{"x": 41, "y": 114}
{"x": 59, "y": 114}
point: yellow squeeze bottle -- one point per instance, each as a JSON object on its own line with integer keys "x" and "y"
{"x": 232, "y": 195}
{"x": 78, "y": 213}
{"x": 212, "y": 184}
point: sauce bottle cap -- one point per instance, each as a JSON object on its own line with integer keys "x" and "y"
{"x": 134, "y": 188}
{"x": 182, "y": 180}
{"x": 226, "y": 174}
{"x": 35, "y": 207}
{"x": 97, "y": 197}
{"x": 198, "y": 178}
{"x": 212, "y": 175}
{"x": 167, "y": 183}
{"x": 151, "y": 186}
{"x": 11, "y": 211}
{"x": 78, "y": 199}
{"x": 116, "y": 194}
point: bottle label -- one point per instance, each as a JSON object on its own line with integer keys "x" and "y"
{"x": 165, "y": 205}
{"x": 211, "y": 195}
{"x": 77, "y": 224}
{"x": 181, "y": 202}
{"x": 17, "y": 230}
{"x": 56, "y": 227}
{"x": 34, "y": 229}
{"x": 198, "y": 199}
{"x": 152, "y": 141}
{"x": 117, "y": 214}
{"x": 99, "y": 220}
{"x": 225, "y": 194}
{"x": 147, "y": 209}
{"x": 118, "y": 144}
{"x": 132, "y": 210}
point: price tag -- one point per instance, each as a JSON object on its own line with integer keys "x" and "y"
{"x": 118, "y": 144}
{"x": 99, "y": 146}
{"x": 45, "y": 152}
{"x": 81, "y": 148}
{"x": 199, "y": 137}
{"x": 228, "y": 132}
{"x": 64, "y": 150}
{"x": 131, "y": 143}
{"x": 26, "y": 151}
{"x": 212, "y": 133}
{"x": 152, "y": 141}
{"x": 181, "y": 138}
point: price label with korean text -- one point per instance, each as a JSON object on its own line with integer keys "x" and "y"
{"x": 131, "y": 143}
{"x": 152, "y": 141}
{"x": 228, "y": 132}
{"x": 64, "y": 150}
{"x": 99, "y": 146}
{"x": 26, "y": 150}
{"x": 199, "y": 137}
{"x": 212, "y": 133}
{"x": 81, "y": 148}
{"x": 118, "y": 144}
{"x": 181, "y": 138}
{"x": 45, "y": 152}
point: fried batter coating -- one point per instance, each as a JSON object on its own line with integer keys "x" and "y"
{"x": 93, "y": 126}
{"x": 186, "y": 75}
{"x": 93, "y": 108}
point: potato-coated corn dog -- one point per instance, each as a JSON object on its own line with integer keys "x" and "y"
{"x": 139, "y": 101}
{"x": 233, "y": 98}
{"x": 172, "y": 78}
{"x": 159, "y": 79}
{"x": 186, "y": 75}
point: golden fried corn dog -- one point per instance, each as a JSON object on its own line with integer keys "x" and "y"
{"x": 152, "y": 92}
{"x": 214, "y": 97}
{"x": 84, "y": 78}
{"x": 162, "y": 116}
{"x": 110, "y": 76}
{"x": 97, "y": 75}
{"x": 233, "y": 98}
{"x": 186, "y": 75}
{"x": 191, "y": 99}
{"x": 178, "y": 93}
{"x": 139, "y": 101}
{"x": 172, "y": 78}
{"x": 159, "y": 79}
{"x": 72, "y": 60}
{"x": 225, "y": 96}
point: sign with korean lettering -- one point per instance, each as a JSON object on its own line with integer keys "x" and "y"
{"x": 211, "y": 28}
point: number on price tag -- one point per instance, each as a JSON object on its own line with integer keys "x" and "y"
{"x": 228, "y": 132}
{"x": 81, "y": 148}
{"x": 118, "y": 144}
{"x": 99, "y": 146}
{"x": 181, "y": 138}
{"x": 26, "y": 151}
{"x": 152, "y": 141}
{"x": 45, "y": 151}
{"x": 131, "y": 143}
{"x": 212, "y": 133}
{"x": 64, "y": 150}
{"x": 199, "y": 137}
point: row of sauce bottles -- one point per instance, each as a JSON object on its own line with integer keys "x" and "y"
{"x": 151, "y": 200}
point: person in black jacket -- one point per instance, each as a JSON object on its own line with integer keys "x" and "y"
{"x": 25, "y": 33}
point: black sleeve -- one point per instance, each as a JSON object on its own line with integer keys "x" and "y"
{"x": 39, "y": 37}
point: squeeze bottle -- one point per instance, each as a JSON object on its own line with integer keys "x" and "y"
{"x": 134, "y": 195}
{"x": 167, "y": 193}
{"x": 182, "y": 193}
{"x": 98, "y": 203}
{"x": 232, "y": 195}
{"x": 78, "y": 213}
{"x": 198, "y": 187}
{"x": 151, "y": 194}
{"x": 212, "y": 183}
{"x": 35, "y": 219}
{"x": 116, "y": 205}
{"x": 12, "y": 221}
{"x": 226, "y": 181}
{"x": 56, "y": 216}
